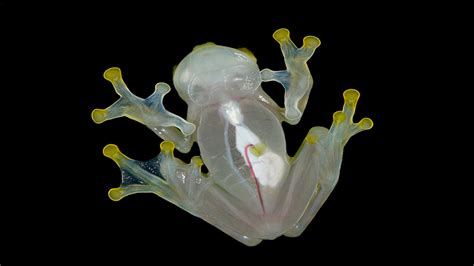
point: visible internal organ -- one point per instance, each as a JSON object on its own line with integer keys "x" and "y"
{"x": 266, "y": 167}
{"x": 252, "y": 174}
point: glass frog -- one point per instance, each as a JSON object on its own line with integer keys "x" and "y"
{"x": 253, "y": 190}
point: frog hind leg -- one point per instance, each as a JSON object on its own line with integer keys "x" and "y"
{"x": 182, "y": 184}
{"x": 318, "y": 161}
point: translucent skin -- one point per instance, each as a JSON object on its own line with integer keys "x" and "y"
{"x": 254, "y": 190}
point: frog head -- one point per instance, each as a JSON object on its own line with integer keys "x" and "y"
{"x": 211, "y": 74}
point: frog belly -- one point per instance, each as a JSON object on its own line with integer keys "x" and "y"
{"x": 242, "y": 144}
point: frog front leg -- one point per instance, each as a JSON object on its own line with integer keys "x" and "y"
{"x": 318, "y": 161}
{"x": 149, "y": 111}
{"x": 296, "y": 79}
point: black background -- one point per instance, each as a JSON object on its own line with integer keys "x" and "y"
{"x": 58, "y": 55}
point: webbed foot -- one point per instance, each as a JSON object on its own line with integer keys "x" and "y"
{"x": 164, "y": 175}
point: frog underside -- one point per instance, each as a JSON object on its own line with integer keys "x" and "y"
{"x": 253, "y": 190}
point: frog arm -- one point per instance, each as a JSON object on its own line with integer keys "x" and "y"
{"x": 296, "y": 79}
{"x": 150, "y": 112}
{"x": 318, "y": 161}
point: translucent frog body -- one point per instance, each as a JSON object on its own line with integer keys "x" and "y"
{"x": 253, "y": 190}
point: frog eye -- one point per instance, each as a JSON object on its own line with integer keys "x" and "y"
{"x": 248, "y": 53}
{"x": 199, "y": 94}
{"x": 241, "y": 57}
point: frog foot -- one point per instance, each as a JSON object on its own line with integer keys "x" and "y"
{"x": 296, "y": 79}
{"x": 150, "y": 111}
{"x": 343, "y": 127}
{"x": 166, "y": 176}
